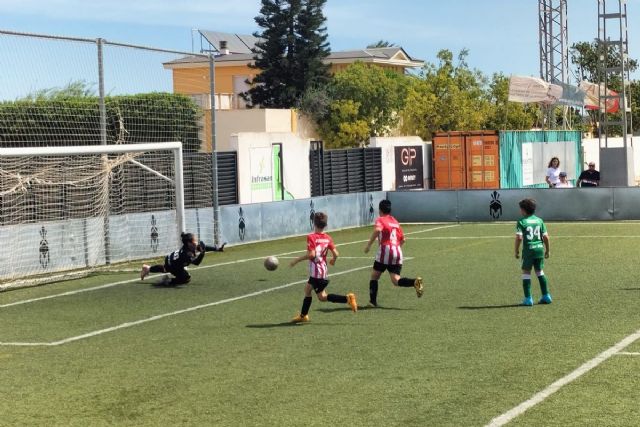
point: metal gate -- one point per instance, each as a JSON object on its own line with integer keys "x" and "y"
{"x": 198, "y": 181}
{"x": 351, "y": 170}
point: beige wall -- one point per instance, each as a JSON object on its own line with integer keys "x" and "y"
{"x": 305, "y": 127}
{"x": 231, "y": 122}
{"x": 196, "y": 80}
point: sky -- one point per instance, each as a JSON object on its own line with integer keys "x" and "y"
{"x": 501, "y": 35}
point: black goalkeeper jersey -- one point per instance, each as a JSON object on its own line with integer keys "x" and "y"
{"x": 181, "y": 258}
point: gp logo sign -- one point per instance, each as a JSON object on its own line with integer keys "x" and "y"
{"x": 408, "y": 156}
{"x": 408, "y": 162}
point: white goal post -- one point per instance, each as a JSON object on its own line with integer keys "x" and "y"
{"x": 70, "y": 208}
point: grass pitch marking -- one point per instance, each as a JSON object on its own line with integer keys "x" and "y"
{"x": 174, "y": 313}
{"x": 511, "y": 236}
{"x": 162, "y": 316}
{"x": 122, "y": 282}
{"x": 626, "y": 353}
{"x": 580, "y": 371}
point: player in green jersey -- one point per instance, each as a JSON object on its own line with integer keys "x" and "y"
{"x": 532, "y": 234}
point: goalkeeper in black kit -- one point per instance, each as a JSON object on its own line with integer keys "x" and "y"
{"x": 191, "y": 252}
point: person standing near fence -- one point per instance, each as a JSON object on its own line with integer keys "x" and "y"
{"x": 589, "y": 177}
{"x": 553, "y": 172}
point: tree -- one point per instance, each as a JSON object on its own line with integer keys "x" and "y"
{"x": 73, "y": 89}
{"x": 343, "y": 126}
{"x": 290, "y": 53}
{"x": 446, "y": 97}
{"x": 361, "y": 101}
{"x": 508, "y": 115}
{"x": 635, "y": 104}
{"x": 381, "y": 43}
{"x": 585, "y": 57}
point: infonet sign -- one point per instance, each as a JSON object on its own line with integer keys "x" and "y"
{"x": 409, "y": 173}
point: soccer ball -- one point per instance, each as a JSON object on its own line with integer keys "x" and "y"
{"x": 271, "y": 263}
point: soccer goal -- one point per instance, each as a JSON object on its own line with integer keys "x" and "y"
{"x": 68, "y": 210}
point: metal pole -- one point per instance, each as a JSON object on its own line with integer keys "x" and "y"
{"x": 625, "y": 90}
{"x": 103, "y": 109}
{"x": 179, "y": 186}
{"x": 103, "y": 141}
{"x": 214, "y": 152}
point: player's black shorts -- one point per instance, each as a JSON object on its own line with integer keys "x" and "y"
{"x": 395, "y": 268}
{"x": 318, "y": 285}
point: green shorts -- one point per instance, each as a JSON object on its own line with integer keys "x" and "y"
{"x": 536, "y": 263}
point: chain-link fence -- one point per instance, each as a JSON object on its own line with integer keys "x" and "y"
{"x": 72, "y": 91}
{"x": 66, "y": 91}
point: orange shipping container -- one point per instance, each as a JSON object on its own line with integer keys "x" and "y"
{"x": 466, "y": 160}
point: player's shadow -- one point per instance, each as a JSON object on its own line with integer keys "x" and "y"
{"x": 282, "y": 325}
{"x": 166, "y": 286}
{"x": 629, "y": 289}
{"x": 331, "y": 310}
{"x": 487, "y": 307}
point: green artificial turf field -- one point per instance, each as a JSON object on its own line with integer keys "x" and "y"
{"x": 221, "y": 351}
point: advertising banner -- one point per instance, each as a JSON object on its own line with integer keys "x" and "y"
{"x": 531, "y": 89}
{"x": 409, "y": 171}
{"x": 261, "y": 174}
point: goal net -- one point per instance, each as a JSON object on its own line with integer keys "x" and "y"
{"x": 66, "y": 210}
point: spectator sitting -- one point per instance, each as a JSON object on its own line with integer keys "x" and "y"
{"x": 589, "y": 177}
{"x": 564, "y": 183}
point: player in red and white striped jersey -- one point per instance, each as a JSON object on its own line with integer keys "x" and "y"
{"x": 390, "y": 237}
{"x": 319, "y": 244}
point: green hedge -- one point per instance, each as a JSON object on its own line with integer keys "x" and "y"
{"x": 131, "y": 119}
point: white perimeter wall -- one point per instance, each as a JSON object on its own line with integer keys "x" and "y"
{"x": 591, "y": 152}
{"x": 295, "y": 152}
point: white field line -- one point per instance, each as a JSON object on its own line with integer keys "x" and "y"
{"x": 108, "y": 285}
{"x": 580, "y": 371}
{"x": 625, "y": 353}
{"x": 513, "y": 235}
{"x": 630, "y": 222}
{"x": 346, "y": 257}
{"x": 162, "y": 316}
{"x": 406, "y": 234}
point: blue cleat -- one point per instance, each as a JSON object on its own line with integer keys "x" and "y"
{"x": 546, "y": 299}
{"x": 528, "y": 302}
